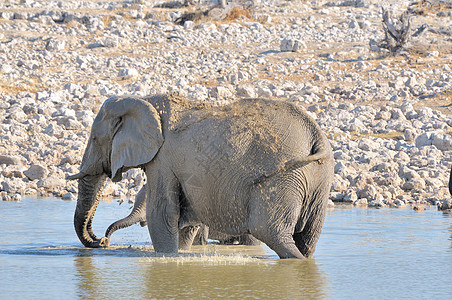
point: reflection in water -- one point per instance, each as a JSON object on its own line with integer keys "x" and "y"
{"x": 287, "y": 279}
{"x": 198, "y": 275}
{"x": 89, "y": 277}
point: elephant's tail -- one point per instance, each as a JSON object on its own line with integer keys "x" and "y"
{"x": 320, "y": 154}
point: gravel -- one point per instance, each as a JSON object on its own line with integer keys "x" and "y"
{"x": 388, "y": 117}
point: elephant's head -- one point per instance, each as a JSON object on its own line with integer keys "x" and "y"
{"x": 126, "y": 133}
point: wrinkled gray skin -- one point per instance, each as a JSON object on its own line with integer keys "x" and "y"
{"x": 256, "y": 167}
{"x": 138, "y": 215}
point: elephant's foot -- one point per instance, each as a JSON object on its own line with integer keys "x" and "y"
{"x": 287, "y": 251}
{"x": 103, "y": 242}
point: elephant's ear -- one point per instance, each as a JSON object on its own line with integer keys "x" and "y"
{"x": 138, "y": 134}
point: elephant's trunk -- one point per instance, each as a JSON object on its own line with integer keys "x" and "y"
{"x": 90, "y": 189}
{"x": 131, "y": 219}
{"x": 138, "y": 214}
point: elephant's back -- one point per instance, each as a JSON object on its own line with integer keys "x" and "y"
{"x": 253, "y": 135}
{"x": 231, "y": 146}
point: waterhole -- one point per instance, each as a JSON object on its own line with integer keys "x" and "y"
{"x": 362, "y": 254}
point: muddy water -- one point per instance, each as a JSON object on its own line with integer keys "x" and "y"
{"x": 362, "y": 254}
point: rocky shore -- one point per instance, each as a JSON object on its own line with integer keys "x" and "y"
{"x": 388, "y": 117}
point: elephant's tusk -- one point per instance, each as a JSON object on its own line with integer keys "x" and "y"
{"x": 75, "y": 176}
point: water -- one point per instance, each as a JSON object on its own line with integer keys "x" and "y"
{"x": 362, "y": 254}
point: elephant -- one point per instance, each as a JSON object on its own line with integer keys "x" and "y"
{"x": 138, "y": 215}
{"x": 255, "y": 166}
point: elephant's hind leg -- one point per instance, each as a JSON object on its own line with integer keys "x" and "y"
{"x": 273, "y": 217}
{"x": 306, "y": 240}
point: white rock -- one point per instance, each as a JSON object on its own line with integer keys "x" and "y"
{"x": 246, "y": 91}
{"x": 442, "y": 141}
{"x": 414, "y": 184}
{"x": 351, "y": 196}
{"x": 55, "y": 44}
{"x": 221, "y": 92}
{"x": 6, "y": 68}
{"x": 51, "y": 183}
{"x": 69, "y": 196}
{"x": 424, "y": 139}
{"x": 127, "y": 73}
{"x": 291, "y": 45}
{"x": 264, "y": 92}
{"x": 377, "y": 203}
{"x": 361, "y": 202}
{"x": 189, "y": 25}
{"x": 12, "y": 160}
{"x": 36, "y": 172}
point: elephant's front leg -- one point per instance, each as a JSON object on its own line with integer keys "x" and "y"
{"x": 162, "y": 211}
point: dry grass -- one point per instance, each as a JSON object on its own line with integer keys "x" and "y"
{"x": 107, "y": 19}
{"x": 354, "y": 136}
{"x": 11, "y": 89}
{"x": 237, "y": 13}
{"x": 424, "y": 7}
{"x": 201, "y": 16}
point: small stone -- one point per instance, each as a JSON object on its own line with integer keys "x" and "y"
{"x": 189, "y": 25}
{"x": 221, "y": 92}
{"x": 361, "y": 202}
{"x": 264, "y": 92}
{"x": 111, "y": 42}
{"x": 419, "y": 208}
{"x": 55, "y": 45}
{"x": 377, "y": 203}
{"x": 6, "y": 68}
{"x": 409, "y": 134}
{"x": 16, "y": 197}
{"x": 414, "y": 184}
{"x": 12, "y": 160}
{"x": 351, "y": 197}
{"x": 290, "y": 45}
{"x": 433, "y": 54}
{"x": 246, "y": 91}
{"x": 330, "y": 203}
{"x": 442, "y": 141}
{"x": 127, "y": 73}
{"x": 69, "y": 196}
{"x": 399, "y": 203}
{"x": 446, "y": 204}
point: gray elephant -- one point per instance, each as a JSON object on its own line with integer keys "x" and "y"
{"x": 255, "y": 166}
{"x": 138, "y": 215}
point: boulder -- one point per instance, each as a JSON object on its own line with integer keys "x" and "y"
{"x": 51, "y": 183}
{"x": 36, "y": 172}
